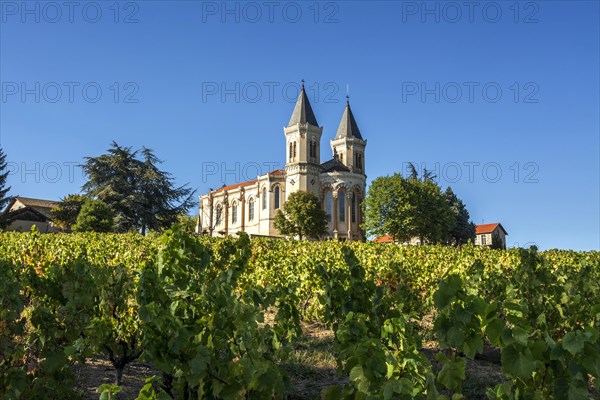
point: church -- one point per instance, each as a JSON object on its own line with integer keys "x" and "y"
{"x": 339, "y": 183}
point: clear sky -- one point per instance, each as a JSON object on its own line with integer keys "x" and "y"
{"x": 500, "y": 99}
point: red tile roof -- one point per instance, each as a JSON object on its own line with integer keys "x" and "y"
{"x": 247, "y": 183}
{"x": 384, "y": 239}
{"x": 236, "y": 185}
{"x": 488, "y": 228}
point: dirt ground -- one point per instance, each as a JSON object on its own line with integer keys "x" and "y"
{"x": 311, "y": 368}
{"x": 98, "y": 371}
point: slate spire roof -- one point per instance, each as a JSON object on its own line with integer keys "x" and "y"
{"x": 303, "y": 112}
{"x": 348, "y": 127}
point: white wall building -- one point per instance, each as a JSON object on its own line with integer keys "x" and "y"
{"x": 340, "y": 182}
{"x": 484, "y": 234}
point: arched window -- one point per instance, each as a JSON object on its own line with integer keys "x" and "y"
{"x": 234, "y": 208}
{"x": 291, "y": 151}
{"x": 219, "y": 215}
{"x": 200, "y": 216}
{"x": 313, "y": 148}
{"x": 353, "y": 209}
{"x": 294, "y": 149}
{"x": 342, "y": 157}
{"x": 276, "y": 197}
{"x": 358, "y": 160}
{"x": 264, "y": 198}
{"x": 329, "y": 205}
{"x": 251, "y": 209}
{"x": 342, "y": 206}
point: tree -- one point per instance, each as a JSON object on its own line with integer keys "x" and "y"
{"x": 414, "y": 173}
{"x": 407, "y": 208}
{"x": 95, "y": 216}
{"x": 4, "y": 199}
{"x": 162, "y": 203}
{"x": 65, "y": 215}
{"x": 302, "y": 216}
{"x": 140, "y": 194}
{"x": 112, "y": 179}
{"x": 188, "y": 223}
{"x": 497, "y": 243}
{"x": 433, "y": 219}
{"x": 388, "y": 209}
{"x": 464, "y": 229}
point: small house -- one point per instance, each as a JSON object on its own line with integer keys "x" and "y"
{"x": 23, "y": 212}
{"x": 485, "y": 234}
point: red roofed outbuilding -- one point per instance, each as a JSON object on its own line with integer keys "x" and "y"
{"x": 485, "y": 233}
{"x": 384, "y": 239}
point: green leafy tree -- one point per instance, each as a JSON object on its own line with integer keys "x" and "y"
{"x": 433, "y": 219}
{"x": 408, "y": 208}
{"x": 65, "y": 215}
{"x": 302, "y": 216}
{"x": 188, "y": 223}
{"x": 388, "y": 207}
{"x": 140, "y": 194}
{"x": 464, "y": 229}
{"x": 4, "y": 199}
{"x": 95, "y": 216}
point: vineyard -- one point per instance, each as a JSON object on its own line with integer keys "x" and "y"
{"x": 226, "y": 318}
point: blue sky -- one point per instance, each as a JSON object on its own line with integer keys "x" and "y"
{"x": 501, "y": 100}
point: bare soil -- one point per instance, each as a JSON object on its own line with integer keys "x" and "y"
{"x": 98, "y": 371}
{"x": 311, "y": 368}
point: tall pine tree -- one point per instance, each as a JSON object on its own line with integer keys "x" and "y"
{"x": 4, "y": 199}
{"x": 464, "y": 229}
{"x": 141, "y": 196}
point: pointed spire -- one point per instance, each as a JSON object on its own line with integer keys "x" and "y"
{"x": 303, "y": 112}
{"x": 348, "y": 127}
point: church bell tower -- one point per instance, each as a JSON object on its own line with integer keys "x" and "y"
{"x": 349, "y": 146}
{"x": 303, "y": 148}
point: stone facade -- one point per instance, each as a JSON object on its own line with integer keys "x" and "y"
{"x": 340, "y": 183}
